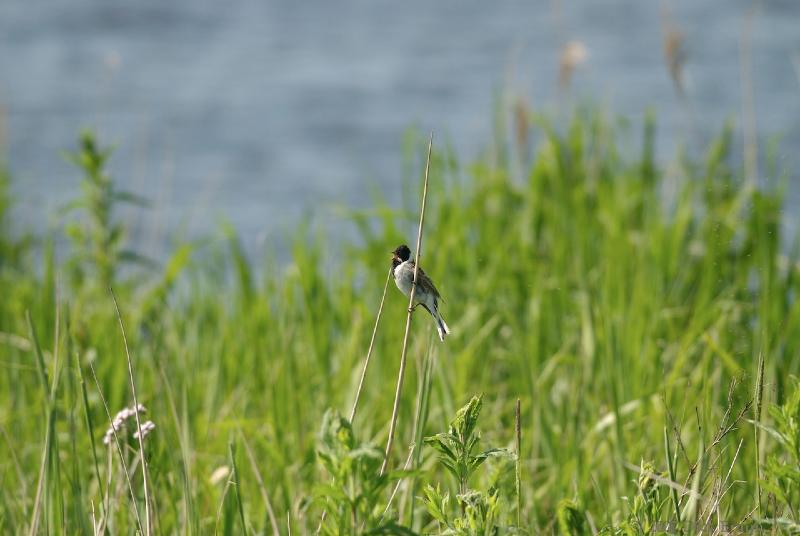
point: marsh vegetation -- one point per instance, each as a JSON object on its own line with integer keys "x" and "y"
{"x": 644, "y": 314}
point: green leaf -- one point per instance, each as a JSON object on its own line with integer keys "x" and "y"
{"x": 438, "y": 442}
{"x": 476, "y": 461}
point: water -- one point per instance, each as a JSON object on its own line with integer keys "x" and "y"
{"x": 264, "y": 111}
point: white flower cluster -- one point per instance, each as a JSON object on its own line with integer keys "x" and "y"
{"x": 119, "y": 423}
{"x": 147, "y": 427}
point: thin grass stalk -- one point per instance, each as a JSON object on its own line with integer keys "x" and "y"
{"x": 421, "y": 417}
{"x": 34, "y": 525}
{"x": 404, "y": 354}
{"x": 187, "y": 475}
{"x": 50, "y": 398}
{"x": 90, "y": 430}
{"x": 369, "y": 350}
{"x": 759, "y": 397}
{"x": 54, "y": 455}
{"x": 39, "y": 355}
{"x": 107, "y": 497}
{"x": 518, "y": 468}
{"x": 273, "y": 521}
{"x": 94, "y": 520}
{"x": 237, "y": 485}
{"x": 397, "y": 485}
{"x": 228, "y": 485}
{"x": 78, "y": 507}
{"x": 671, "y": 467}
{"x": 119, "y": 451}
{"x": 690, "y": 511}
{"x": 136, "y": 414}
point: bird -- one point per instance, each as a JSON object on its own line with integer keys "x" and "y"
{"x": 426, "y": 294}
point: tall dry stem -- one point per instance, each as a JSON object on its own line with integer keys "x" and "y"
{"x": 369, "y": 350}
{"x": 403, "y": 355}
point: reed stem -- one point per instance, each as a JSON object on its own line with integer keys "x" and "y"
{"x": 404, "y": 354}
{"x": 369, "y": 350}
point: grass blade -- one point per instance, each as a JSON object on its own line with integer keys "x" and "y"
{"x": 139, "y": 434}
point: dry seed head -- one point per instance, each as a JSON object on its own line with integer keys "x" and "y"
{"x": 675, "y": 55}
{"x": 573, "y": 54}
{"x": 219, "y": 474}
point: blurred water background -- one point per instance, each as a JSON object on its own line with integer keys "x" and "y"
{"x": 263, "y": 112}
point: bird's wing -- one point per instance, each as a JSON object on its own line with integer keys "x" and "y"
{"x": 425, "y": 282}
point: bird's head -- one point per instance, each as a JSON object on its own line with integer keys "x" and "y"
{"x": 401, "y": 254}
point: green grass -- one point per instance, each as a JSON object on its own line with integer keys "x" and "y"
{"x": 616, "y": 297}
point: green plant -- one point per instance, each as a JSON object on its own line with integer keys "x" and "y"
{"x": 98, "y": 240}
{"x": 480, "y": 512}
{"x": 782, "y": 471}
{"x": 457, "y": 447}
{"x": 648, "y": 503}
{"x": 354, "y": 496}
{"x": 571, "y": 519}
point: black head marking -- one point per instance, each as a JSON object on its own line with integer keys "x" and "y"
{"x": 402, "y": 252}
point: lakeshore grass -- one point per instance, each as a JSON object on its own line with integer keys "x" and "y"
{"x": 623, "y": 301}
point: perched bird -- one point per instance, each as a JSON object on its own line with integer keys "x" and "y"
{"x": 426, "y": 294}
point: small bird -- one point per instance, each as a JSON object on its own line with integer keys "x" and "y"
{"x": 426, "y": 294}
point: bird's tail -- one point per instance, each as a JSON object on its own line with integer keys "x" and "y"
{"x": 441, "y": 325}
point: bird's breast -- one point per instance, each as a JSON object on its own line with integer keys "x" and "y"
{"x": 404, "y": 278}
